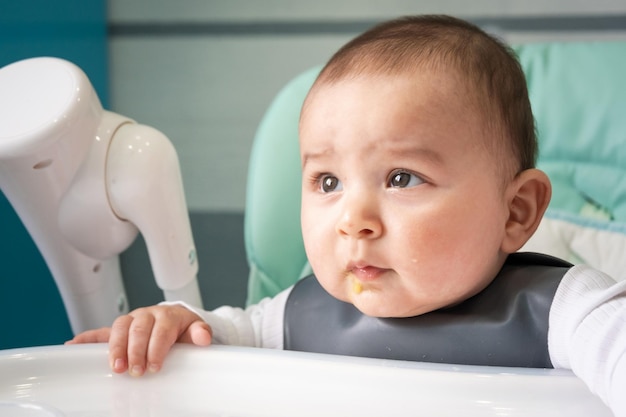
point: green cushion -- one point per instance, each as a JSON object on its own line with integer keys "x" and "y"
{"x": 578, "y": 94}
{"x": 273, "y": 239}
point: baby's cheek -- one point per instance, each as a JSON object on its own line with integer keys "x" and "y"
{"x": 310, "y": 243}
{"x": 423, "y": 243}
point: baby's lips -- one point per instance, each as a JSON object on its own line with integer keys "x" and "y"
{"x": 367, "y": 273}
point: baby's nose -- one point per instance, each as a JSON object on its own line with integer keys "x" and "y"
{"x": 360, "y": 219}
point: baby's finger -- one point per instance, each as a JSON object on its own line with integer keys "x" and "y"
{"x": 91, "y": 336}
{"x": 138, "y": 341}
{"x": 164, "y": 335}
{"x": 118, "y": 343}
{"x": 198, "y": 333}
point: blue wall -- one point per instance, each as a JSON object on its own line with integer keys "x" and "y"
{"x": 31, "y": 310}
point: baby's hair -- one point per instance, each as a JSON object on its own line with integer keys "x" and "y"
{"x": 492, "y": 72}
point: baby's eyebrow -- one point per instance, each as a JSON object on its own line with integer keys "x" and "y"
{"x": 428, "y": 154}
{"x": 308, "y": 156}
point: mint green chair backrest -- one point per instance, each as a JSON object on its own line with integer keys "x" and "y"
{"x": 272, "y": 235}
{"x": 578, "y": 94}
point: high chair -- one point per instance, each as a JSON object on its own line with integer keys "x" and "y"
{"x": 578, "y": 95}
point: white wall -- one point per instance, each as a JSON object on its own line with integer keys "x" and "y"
{"x": 207, "y": 88}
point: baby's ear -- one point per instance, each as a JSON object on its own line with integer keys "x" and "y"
{"x": 528, "y": 196}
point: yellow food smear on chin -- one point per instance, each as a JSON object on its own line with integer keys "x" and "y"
{"x": 357, "y": 287}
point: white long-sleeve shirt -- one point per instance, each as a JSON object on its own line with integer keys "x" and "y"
{"x": 587, "y": 333}
{"x": 587, "y": 330}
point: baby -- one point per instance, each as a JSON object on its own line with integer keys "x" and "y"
{"x": 418, "y": 149}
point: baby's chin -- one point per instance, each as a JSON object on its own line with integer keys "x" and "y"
{"x": 370, "y": 306}
{"x": 374, "y": 302}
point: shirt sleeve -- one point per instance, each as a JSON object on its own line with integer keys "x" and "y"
{"x": 259, "y": 325}
{"x": 587, "y": 333}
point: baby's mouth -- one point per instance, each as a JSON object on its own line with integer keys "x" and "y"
{"x": 361, "y": 276}
{"x": 366, "y": 273}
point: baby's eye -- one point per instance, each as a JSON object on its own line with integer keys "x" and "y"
{"x": 329, "y": 183}
{"x": 404, "y": 179}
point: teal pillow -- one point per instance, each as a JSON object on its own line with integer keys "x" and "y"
{"x": 578, "y": 95}
{"x": 273, "y": 238}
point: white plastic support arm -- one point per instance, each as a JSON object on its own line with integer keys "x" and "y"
{"x": 83, "y": 181}
{"x": 54, "y": 137}
{"x": 145, "y": 187}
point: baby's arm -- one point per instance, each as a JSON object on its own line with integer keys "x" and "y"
{"x": 259, "y": 325}
{"x": 588, "y": 333}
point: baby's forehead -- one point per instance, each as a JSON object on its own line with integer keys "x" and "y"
{"x": 443, "y": 95}
{"x": 444, "y": 91}
{"x": 413, "y": 100}
{"x": 444, "y": 77}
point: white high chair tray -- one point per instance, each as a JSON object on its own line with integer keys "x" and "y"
{"x": 224, "y": 381}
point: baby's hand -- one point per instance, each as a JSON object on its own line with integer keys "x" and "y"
{"x": 140, "y": 340}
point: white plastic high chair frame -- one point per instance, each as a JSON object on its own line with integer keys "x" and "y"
{"x": 84, "y": 181}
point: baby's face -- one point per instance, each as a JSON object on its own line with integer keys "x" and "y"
{"x": 402, "y": 208}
